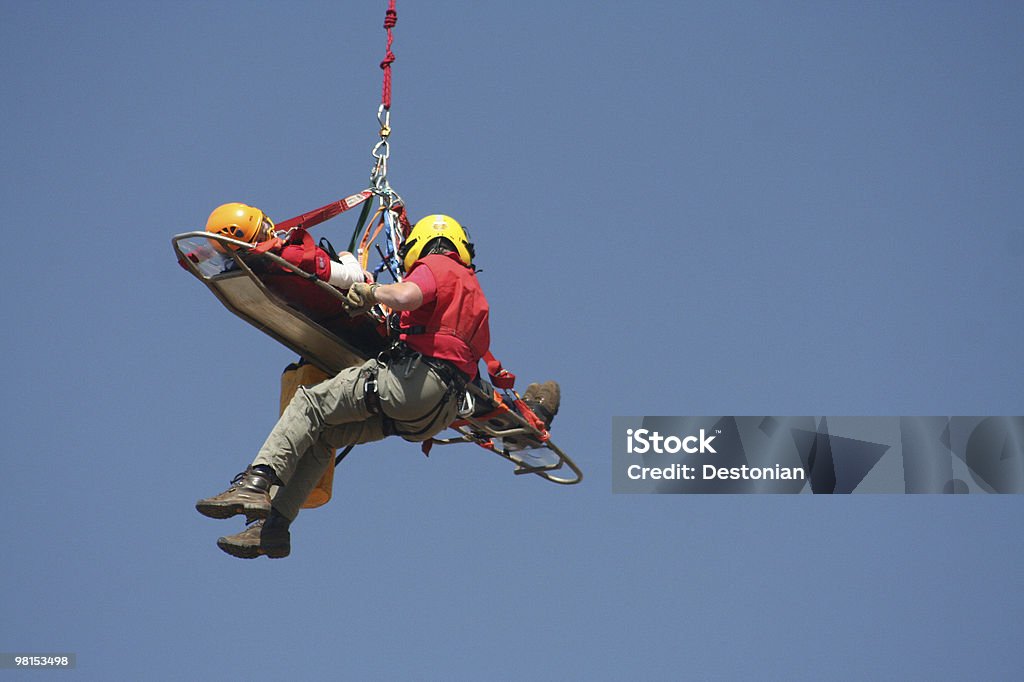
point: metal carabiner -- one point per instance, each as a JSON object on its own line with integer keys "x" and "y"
{"x": 467, "y": 405}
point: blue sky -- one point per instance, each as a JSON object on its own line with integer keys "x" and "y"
{"x": 680, "y": 209}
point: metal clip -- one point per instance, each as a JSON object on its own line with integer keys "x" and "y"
{"x": 412, "y": 361}
{"x": 467, "y": 406}
{"x": 371, "y": 398}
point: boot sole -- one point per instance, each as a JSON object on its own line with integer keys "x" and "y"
{"x": 250, "y": 552}
{"x": 226, "y": 511}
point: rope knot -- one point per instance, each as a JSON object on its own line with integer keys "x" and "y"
{"x": 390, "y": 19}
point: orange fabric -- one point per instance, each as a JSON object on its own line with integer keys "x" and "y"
{"x": 308, "y": 375}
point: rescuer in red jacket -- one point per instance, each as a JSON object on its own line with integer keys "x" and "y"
{"x": 412, "y": 391}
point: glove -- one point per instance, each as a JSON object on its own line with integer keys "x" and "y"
{"x": 360, "y": 298}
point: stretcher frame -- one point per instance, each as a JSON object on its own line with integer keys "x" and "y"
{"x": 495, "y": 426}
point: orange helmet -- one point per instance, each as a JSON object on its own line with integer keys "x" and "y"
{"x": 239, "y": 221}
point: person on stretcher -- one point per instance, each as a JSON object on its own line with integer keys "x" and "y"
{"x": 249, "y": 224}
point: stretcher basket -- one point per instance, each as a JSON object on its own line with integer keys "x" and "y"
{"x": 241, "y": 280}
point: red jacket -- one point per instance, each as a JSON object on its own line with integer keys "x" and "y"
{"x": 454, "y": 326}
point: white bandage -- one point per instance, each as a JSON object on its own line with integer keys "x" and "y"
{"x": 347, "y": 272}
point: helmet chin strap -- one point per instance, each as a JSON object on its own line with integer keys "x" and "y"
{"x": 439, "y": 245}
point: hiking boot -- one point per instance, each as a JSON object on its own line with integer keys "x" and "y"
{"x": 543, "y": 399}
{"x": 263, "y": 537}
{"x": 249, "y": 494}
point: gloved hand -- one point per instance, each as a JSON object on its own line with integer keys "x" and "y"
{"x": 360, "y": 298}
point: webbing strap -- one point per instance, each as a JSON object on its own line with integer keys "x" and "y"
{"x": 500, "y": 377}
{"x": 363, "y": 215}
{"x": 298, "y": 236}
{"x": 319, "y": 215}
{"x": 343, "y": 454}
{"x": 274, "y": 245}
{"x": 369, "y": 237}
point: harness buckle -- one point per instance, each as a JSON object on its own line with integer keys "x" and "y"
{"x": 370, "y": 395}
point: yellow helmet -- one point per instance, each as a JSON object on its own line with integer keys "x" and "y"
{"x": 239, "y": 221}
{"x": 436, "y": 227}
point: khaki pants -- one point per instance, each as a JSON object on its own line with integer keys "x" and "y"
{"x": 415, "y": 403}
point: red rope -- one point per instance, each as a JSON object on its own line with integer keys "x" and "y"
{"x": 390, "y": 19}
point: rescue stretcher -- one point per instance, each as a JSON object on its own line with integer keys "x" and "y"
{"x": 248, "y": 283}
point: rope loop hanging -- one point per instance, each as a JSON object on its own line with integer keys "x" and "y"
{"x": 382, "y": 150}
{"x": 390, "y": 219}
{"x": 390, "y": 19}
